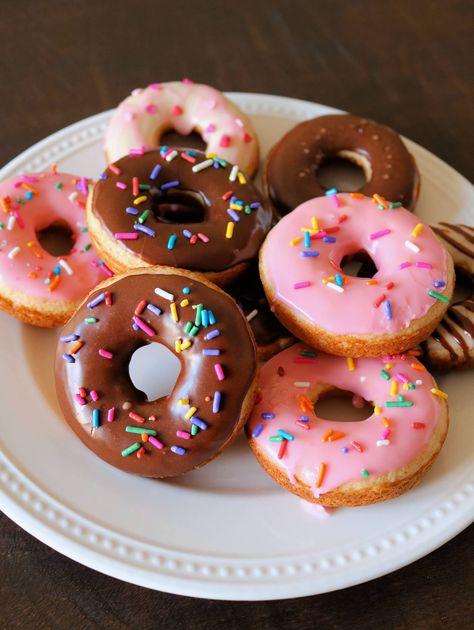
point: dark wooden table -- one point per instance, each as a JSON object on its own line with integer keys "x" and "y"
{"x": 404, "y": 63}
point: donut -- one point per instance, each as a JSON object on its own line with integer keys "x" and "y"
{"x": 291, "y": 171}
{"x": 451, "y": 345}
{"x": 270, "y": 335}
{"x": 141, "y": 119}
{"x": 300, "y": 268}
{"x": 36, "y": 286}
{"x": 178, "y": 208}
{"x": 337, "y": 463}
{"x": 201, "y": 326}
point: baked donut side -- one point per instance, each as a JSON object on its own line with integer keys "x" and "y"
{"x": 214, "y": 392}
{"x": 343, "y": 464}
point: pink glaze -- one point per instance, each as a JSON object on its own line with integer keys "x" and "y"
{"x": 140, "y": 119}
{"x": 354, "y": 310}
{"x": 307, "y": 451}
{"x": 47, "y": 205}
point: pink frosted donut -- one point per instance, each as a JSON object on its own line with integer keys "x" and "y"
{"x": 36, "y": 286}
{"x": 347, "y": 463}
{"x": 351, "y": 316}
{"x": 140, "y": 120}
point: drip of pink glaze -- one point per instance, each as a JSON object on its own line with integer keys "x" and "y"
{"x": 313, "y": 509}
{"x": 47, "y": 206}
{"x": 352, "y": 310}
{"x": 307, "y": 451}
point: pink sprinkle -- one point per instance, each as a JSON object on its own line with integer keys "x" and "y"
{"x": 121, "y": 185}
{"x": 424, "y": 265}
{"x": 404, "y": 265}
{"x": 385, "y": 433}
{"x": 126, "y": 236}
{"x": 203, "y": 237}
{"x": 19, "y": 220}
{"x": 219, "y": 371}
{"x": 94, "y": 395}
{"x": 29, "y": 178}
{"x": 239, "y": 123}
{"x": 140, "y": 307}
{"x": 210, "y": 128}
{"x": 188, "y": 81}
{"x": 111, "y": 414}
{"x": 379, "y": 234}
{"x": 106, "y": 354}
{"x": 320, "y": 234}
{"x": 342, "y": 218}
{"x": 334, "y": 265}
{"x": 151, "y": 108}
{"x": 176, "y": 110}
{"x": 83, "y": 185}
{"x": 80, "y": 399}
{"x": 183, "y": 434}
{"x": 155, "y": 442}
{"x": 402, "y": 378}
{"x": 225, "y": 141}
{"x": 193, "y": 239}
{"x": 136, "y": 152}
{"x": 304, "y": 425}
{"x": 304, "y": 360}
{"x": 83, "y": 392}
{"x": 246, "y": 137}
{"x": 129, "y": 116}
{"x": 357, "y": 446}
{"x": 141, "y": 324}
{"x": 335, "y": 200}
{"x": 115, "y": 169}
{"x": 155, "y": 86}
{"x": 302, "y": 285}
{"x": 106, "y": 270}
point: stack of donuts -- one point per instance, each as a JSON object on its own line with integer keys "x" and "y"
{"x": 248, "y": 292}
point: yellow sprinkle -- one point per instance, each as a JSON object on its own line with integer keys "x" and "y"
{"x": 377, "y": 410}
{"x": 190, "y": 412}
{"x": 438, "y": 392}
{"x": 211, "y": 155}
{"x": 417, "y": 229}
{"x": 295, "y": 241}
{"x": 241, "y": 178}
{"x": 350, "y": 364}
{"x": 177, "y": 346}
{"x": 139, "y": 200}
{"x": 394, "y": 388}
{"x": 174, "y": 312}
{"x": 230, "y": 229}
{"x": 184, "y": 401}
{"x": 184, "y": 302}
{"x": 236, "y": 206}
{"x": 314, "y": 223}
{"x": 187, "y": 344}
{"x": 328, "y": 279}
{"x": 388, "y": 366}
{"x": 310, "y": 230}
{"x": 405, "y": 386}
{"x": 30, "y": 243}
{"x": 320, "y": 476}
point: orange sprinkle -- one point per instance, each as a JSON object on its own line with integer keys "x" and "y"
{"x": 29, "y": 188}
{"x": 357, "y": 195}
{"x": 54, "y": 168}
{"x": 327, "y": 435}
{"x": 54, "y": 283}
{"x": 380, "y": 200}
{"x": 144, "y": 437}
{"x": 414, "y": 353}
{"x": 418, "y": 366}
{"x": 76, "y": 347}
{"x": 371, "y": 282}
{"x": 6, "y": 204}
{"x": 385, "y": 421}
{"x": 32, "y": 274}
{"x": 350, "y": 364}
{"x": 336, "y": 436}
{"x": 321, "y": 473}
{"x": 36, "y": 252}
{"x": 305, "y": 403}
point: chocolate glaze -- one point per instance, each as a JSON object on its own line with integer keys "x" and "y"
{"x": 292, "y": 167}
{"x": 205, "y": 212}
{"x": 197, "y": 380}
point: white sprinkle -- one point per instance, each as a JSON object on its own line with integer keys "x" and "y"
{"x": 73, "y": 196}
{"x": 239, "y": 123}
{"x": 233, "y": 173}
{"x": 202, "y": 165}
{"x": 383, "y": 442}
{"x": 301, "y": 383}
{"x": 164, "y": 294}
{"x": 66, "y": 267}
{"x": 419, "y": 382}
{"x": 252, "y": 314}
{"x": 335, "y": 286}
{"x": 13, "y": 252}
{"x": 412, "y": 246}
{"x": 11, "y": 222}
{"x": 171, "y": 156}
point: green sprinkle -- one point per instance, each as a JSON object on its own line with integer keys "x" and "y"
{"x": 144, "y": 216}
{"x": 194, "y": 429}
{"x": 276, "y": 438}
{"x": 1, "y": 226}
{"x": 22, "y": 201}
{"x": 87, "y": 247}
{"x": 194, "y": 331}
{"x": 47, "y": 281}
{"x": 144, "y": 186}
{"x": 308, "y": 353}
{"x": 411, "y": 386}
{"x": 364, "y": 472}
{"x": 401, "y": 397}
{"x": 91, "y": 320}
{"x": 380, "y": 207}
{"x": 396, "y": 204}
{"x": 198, "y": 319}
{"x": 188, "y": 327}
{"x": 438, "y": 296}
{"x": 140, "y": 430}
{"x": 84, "y": 229}
{"x": 247, "y": 210}
{"x": 59, "y": 185}
{"x": 131, "y": 449}
{"x": 400, "y": 403}
{"x": 385, "y": 374}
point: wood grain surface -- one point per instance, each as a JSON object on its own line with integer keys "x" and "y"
{"x": 404, "y": 63}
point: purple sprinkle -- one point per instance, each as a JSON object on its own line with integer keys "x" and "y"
{"x": 199, "y": 423}
{"x": 345, "y": 449}
{"x": 143, "y": 228}
{"x": 258, "y": 430}
{"x": 69, "y": 358}
{"x": 388, "y": 309}
{"x": 135, "y": 327}
{"x": 304, "y": 418}
{"x": 233, "y": 199}
{"x": 211, "y": 334}
{"x": 404, "y": 265}
{"x": 301, "y": 285}
{"x": 155, "y": 171}
{"x": 424, "y": 265}
{"x": 187, "y": 233}
{"x": 233, "y": 214}
{"x": 154, "y": 309}
{"x": 121, "y": 185}
{"x": 131, "y": 210}
{"x": 179, "y": 450}
{"x": 211, "y": 352}
{"x": 96, "y": 301}
{"x": 439, "y": 283}
{"x": 103, "y": 176}
{"x": 329, "y": 239}
{"x": 67, "y": 338}
{"x": 174, "y": 184}
{"x": 216, "y": 402}
{"x": 255, "y": 205}
{"x": 268, "y": 416}
{"x": 378, "y": 234}
{"x": 311, "y": 254}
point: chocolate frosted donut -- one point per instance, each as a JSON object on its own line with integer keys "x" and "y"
{"x": 291, "y": 174}
{"x": 177, "y": 207}
{"x": 214, "y": 392}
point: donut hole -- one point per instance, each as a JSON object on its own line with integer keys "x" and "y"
{"x": 346, "y": 171}
{"x": 464, "y": 287}
{"x": 172, "y": 138}
{"x": 154, "y": 370}
{"x": 57, "y": 238}
{"x": 359, "y": 265}
{"x": 340, "y": 405}
{"x": 178, "y": 206}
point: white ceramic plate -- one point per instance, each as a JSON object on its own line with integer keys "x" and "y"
{"x": 227, "y": 531}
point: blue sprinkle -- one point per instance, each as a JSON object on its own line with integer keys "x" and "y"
{"x": 216, "y": 402}
{"x": 268, "y": 416}
{"x": 388, "y": 309}
{"x": 233, "y": 199}
{"x": 131, "y": 210}
{"x": 135, "y": 327}
{"x": 439, "y": 283}
{"x": 307, "y": 238}
{"x": 233, "y": 214}
{"x": 212, "y": 319}
{"x": 204, "y": 318}
{"x": 345, "y": 449}
{"x": 174, "y": 184}
{"x": 212, "y": 334}
{"x": 57, "y": 270}
{"x": 163, "y": 149}
{"x": 154, "y": 309}
{"x": 329, "y": 239}
{"x": 95, "y": 418}
{"x": 331, "y": 191}
{"x": 186, "y": 290}
{"x": 258, "y": 430}
{"x": 304, "y": 418}
{"x": 199, "y": 423}
{"x": 172, "y": 241}
{"x": 339, "y": 280}
{"x": 155, "y": 172}
{"x": 187, "y": 233}
{"x": 255, "y": 205}
{"x": 103, "y": 177}
{"x": 211, "y": 352}
{"x": 67, "y": 338}
{"x": 286, "y": 435}
{"x": 69, "y": 358}
{"x": 312, "y": 254}
{"x": 29, "y": 195}
{"x": 179, "y": 450}
{"x": 96, "y": 301}
{"x": 143, "y": 228}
